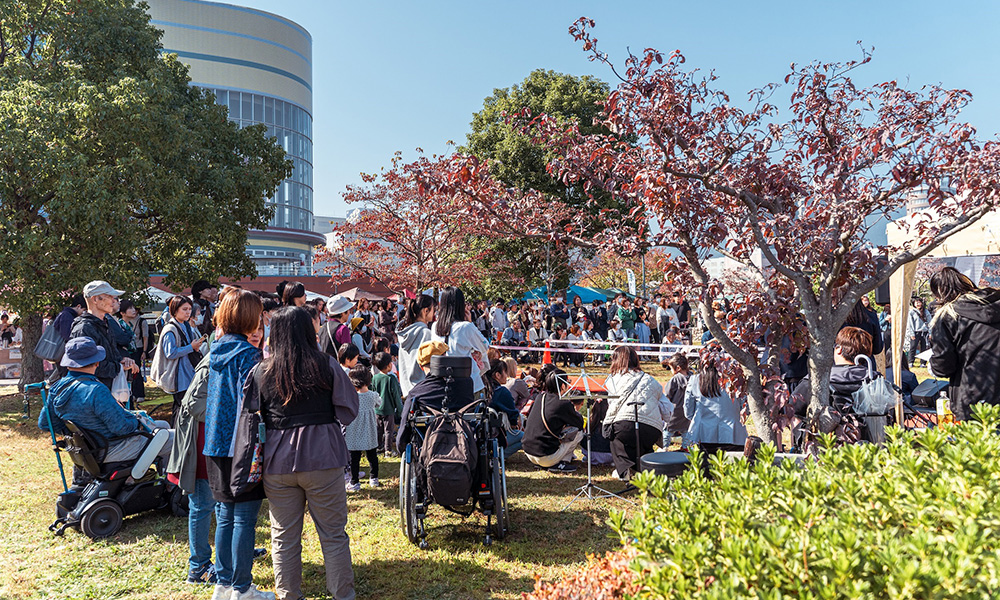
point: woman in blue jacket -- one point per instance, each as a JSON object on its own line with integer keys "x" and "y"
{"x": 231, "y": 359}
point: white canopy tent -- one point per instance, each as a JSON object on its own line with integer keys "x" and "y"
{"x": 974, "y": 243}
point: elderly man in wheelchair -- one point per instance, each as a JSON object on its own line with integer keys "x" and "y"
{"x": 112, "y": 448}
{"x": 451, "y": 449}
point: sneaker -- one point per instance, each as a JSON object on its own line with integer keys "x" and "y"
{"x": 259, "y": 553}
{"x": 353, "y": 487}
{"x": 222, "y": 592}
{"x": 373, "y": 482}
{"x": 563, "y": 467}
{"x": 204, "y": 575}
{"x": 252, "y": 593}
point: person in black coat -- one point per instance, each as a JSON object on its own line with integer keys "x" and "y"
{"x": 554, "y": 428}
{"x": 965, "y": 340}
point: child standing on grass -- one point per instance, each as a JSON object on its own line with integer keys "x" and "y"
{"x": 390, "y": 406}
{"x": 362, "y": 434}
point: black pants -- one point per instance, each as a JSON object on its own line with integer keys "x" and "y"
{"x": 917, "y": 345}
{"x": 356, "y": 463}
{"x": 176, "y": 407}
{"x": 709, "y": 450}
{"x": 138, "y": 381}
{"x": 623, "y": 446}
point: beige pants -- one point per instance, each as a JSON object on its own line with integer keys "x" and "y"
{"x": 565, "y": 452}
{"x": 287, "y": 496}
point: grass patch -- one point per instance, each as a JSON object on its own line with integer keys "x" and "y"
{"x": 148, "y": 558}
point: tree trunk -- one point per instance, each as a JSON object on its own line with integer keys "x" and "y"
{"x": 31, "y": 366}
{"x": 756, "y": 400}
{"x": 820, "y": 363}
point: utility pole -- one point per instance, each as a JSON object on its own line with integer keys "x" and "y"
{"x": 644, "y": 274}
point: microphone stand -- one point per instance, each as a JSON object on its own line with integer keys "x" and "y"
{"x": 590, "y": 490}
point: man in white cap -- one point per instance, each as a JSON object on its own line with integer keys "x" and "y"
{"x": 336, "y": 331}
{"x": 101, "y": 299}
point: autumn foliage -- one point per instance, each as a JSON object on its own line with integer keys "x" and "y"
{"x": 605, "y": 577}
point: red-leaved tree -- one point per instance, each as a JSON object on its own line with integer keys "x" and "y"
{"x": 402, "y": 235}
{"x": 799, "y": 187}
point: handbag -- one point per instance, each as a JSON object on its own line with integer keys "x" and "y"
{"x": 51, "y": 345}
{"x": 248, "y": 445}
{"x": 607, "y": 427}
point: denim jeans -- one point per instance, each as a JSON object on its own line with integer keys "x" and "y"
{"x": 513, "y": 443}
{"x": 235, "y": 525}
{"x": 201, "y": 504}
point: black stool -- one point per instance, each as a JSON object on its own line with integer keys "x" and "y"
{"x": 670, "y": 464}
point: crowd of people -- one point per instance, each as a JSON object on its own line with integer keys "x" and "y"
{"x": 334, "y": 378}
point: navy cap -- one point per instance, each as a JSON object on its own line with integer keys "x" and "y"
{"x": 82, "y": 352}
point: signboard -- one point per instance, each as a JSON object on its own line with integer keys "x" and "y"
{"x": 631, "y": 281}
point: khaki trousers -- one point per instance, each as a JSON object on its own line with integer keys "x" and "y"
{"x": 287, "y": 495}
{"x": 565, "y": 452}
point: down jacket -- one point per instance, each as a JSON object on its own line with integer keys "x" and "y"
{"x": 655, "y": 406}
{"x": 965, "y": 344}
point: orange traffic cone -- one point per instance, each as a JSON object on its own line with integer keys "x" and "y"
{"x": 547, "y": 356}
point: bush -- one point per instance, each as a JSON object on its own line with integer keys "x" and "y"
{"x": 919, "y": 518}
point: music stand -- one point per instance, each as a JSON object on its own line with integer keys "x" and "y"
{"x": 590, "y": 490}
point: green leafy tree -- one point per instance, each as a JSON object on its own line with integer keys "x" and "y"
{"x": 518, "y": 161}
{"x": 111, "y": 165}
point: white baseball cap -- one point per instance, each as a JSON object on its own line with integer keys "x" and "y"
{"x": 96, "y": 288}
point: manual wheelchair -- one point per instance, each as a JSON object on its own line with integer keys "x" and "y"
{"x": 447, "y": 394}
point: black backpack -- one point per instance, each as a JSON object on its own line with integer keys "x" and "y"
{"x": 449, "y": 457}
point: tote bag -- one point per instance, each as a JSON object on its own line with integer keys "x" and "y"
{"x": 51, "y": 345}
{"x": 248, "y": 446}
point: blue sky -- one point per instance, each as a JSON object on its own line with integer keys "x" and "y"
{"x": 396, "y": 75}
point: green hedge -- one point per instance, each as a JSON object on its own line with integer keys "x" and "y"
{"x": 919, "y": 518}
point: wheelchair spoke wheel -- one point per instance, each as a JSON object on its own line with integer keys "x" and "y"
{"x": 408, "y": 496}
{"x": 500, "y": 521}
{"x": 102, "y": 520}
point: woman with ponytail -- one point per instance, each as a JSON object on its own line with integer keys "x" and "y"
{"x": 413, "y": 330}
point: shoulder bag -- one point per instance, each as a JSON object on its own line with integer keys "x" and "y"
{"x": 607, "y": 427}
{"x": 248, "y": 445}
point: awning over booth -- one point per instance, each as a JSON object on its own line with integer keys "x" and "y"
{"x": 586, "y": 294}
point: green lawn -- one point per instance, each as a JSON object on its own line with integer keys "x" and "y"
{"x": 148, "y": 558}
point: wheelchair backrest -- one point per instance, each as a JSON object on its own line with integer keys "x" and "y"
{"x": 84, "y": 451}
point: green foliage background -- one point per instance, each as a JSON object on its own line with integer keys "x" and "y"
{"x": 111, "y": 165}
{"x": 519, "y": 162}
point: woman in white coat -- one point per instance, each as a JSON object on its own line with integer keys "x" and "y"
{"x": 715, "y": 417}
{"x": 626, "y": 384}
{"x": 463, "y": 339}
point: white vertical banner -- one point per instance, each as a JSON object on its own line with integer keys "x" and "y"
{"x": 631, "y": 280}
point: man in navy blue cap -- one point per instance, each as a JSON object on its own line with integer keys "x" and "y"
{"x": 81, "y": 398}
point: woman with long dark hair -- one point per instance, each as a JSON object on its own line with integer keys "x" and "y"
{"x": 413, "y": 330}
{"x": 715, "y": 417}
{"x": 305, "y": 397}
{"x": 454, "y": 328}
{"x": 965, "y": 340}
{"x": 628, "y": 383}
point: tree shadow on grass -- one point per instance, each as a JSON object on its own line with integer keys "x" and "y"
{"x": 417, "y": 578}
{"x": 12, "y": 416}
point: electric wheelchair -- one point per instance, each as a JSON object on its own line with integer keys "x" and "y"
{"x": 446, "y": 433}
{"x": 109, "y": 491}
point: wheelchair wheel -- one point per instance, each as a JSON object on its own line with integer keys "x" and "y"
{"x": 408, "y": 496}
{"x": 102, "y": 519}
{"x": 501, "y": 522}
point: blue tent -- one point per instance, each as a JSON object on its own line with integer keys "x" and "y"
{"x": 586, "y": 294}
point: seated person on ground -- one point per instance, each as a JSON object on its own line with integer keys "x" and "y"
{"x": 80, "y": 398}
{"x": 554, "y": 428}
